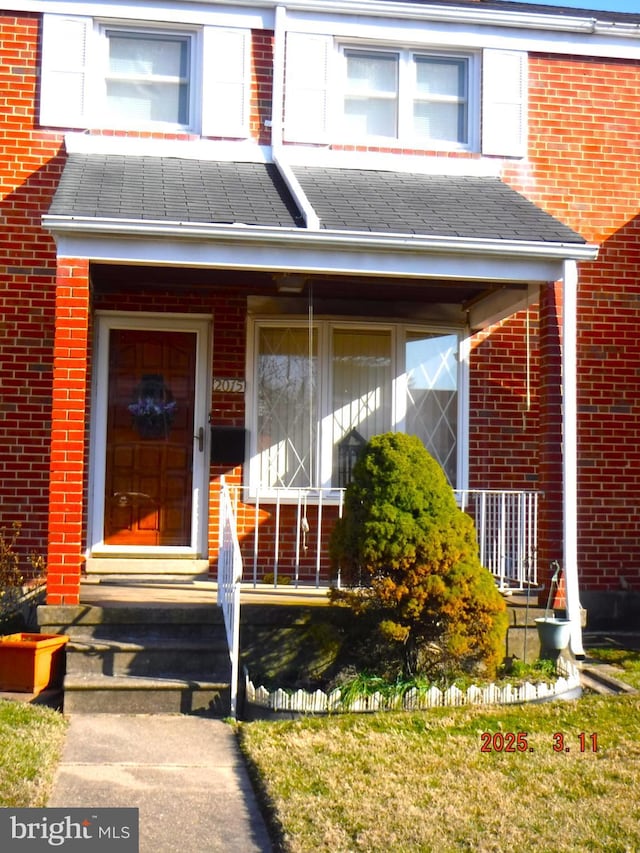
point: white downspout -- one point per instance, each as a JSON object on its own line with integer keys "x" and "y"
{"x": 570, "y": 453}
{"x": 277, "y": 149}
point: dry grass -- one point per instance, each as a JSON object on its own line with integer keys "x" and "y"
{"x": 419, "y": 782}
{"x": 31, "y": 739}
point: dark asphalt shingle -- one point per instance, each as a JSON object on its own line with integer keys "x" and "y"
{"x": 185, "y": 190}
{"x": 174, "y": 189}
{"x": 435, "y": 205}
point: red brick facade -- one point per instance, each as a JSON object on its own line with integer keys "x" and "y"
{"x": 584, "y": 134}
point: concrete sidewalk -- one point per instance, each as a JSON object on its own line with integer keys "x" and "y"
{"x": 184, "y": 773}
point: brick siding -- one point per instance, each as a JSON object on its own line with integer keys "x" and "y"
{"x": 584, "y": 136}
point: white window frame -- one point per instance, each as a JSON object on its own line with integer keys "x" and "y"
{"x": 100, "y": 73}
{"x": 323, "y": 329}
{"x": 407, "y": 95}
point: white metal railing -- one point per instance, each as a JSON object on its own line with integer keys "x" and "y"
{"x": 507, "y": 530}
{"x": 297, "y": 546}
{"x": 229, "y": 579}
{"x": 304, "y": 537}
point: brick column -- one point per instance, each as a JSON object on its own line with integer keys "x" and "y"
{"x": 550, "y": 529}
{"x": 68, "y": 427}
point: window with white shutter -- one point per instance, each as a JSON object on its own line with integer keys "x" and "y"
{"x": 354, "y": 94}
{"x": 138, "y": 77}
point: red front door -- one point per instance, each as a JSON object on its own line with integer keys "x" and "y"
{"x": 150, "y": 444}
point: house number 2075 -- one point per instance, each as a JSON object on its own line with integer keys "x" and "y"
{"x": 228, "y": 386}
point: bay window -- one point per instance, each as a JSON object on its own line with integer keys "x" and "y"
{"x": 315, "y": 388}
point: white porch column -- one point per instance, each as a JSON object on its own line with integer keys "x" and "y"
{"x": 570, "y": 452}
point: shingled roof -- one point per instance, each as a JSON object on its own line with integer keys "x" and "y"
{"x": 444, "y": 206}
{"x": 173, "y": 189}
{"x": 200, "y": 191}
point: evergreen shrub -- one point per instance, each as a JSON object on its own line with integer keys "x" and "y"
{"x": 409, "y": 559}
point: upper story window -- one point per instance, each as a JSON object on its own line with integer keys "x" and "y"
{"x": 407, "y": 95}
{"x": 148, "y": 78}
{"x": 96, "y": 74}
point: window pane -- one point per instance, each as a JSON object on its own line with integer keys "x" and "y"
{"x": 361, "y": 398}
{"x": 440, "y": 106}
{"x": 287, "y": 407}
{"x": 372, "y": 73}
{"x": 147, "y": 56}
{"x": 441, "y": 76}
{"x": 442, "y": 122}
{"x": 148, "y": 78}
{"x": 370, "y": 117}
{"x": 432, "y": 395}
{"x": 371, "y": 98}
{"x": 147, "y": 102}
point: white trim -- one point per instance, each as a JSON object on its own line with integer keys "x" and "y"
{"x": 574, "y": 33}
{"x": 251, "y": 14}
{"x": 297, "y": 254}
{"x": 570, "y": 453}
{"x": 464, "y": 372}
{"x": 200, "y": 325}
{"x": 244, "y": 151}
{"x": 85, "y": 226}
{"x": 419, "y": 164}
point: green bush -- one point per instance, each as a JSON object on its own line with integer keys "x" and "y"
{"x": 410, "y": 558}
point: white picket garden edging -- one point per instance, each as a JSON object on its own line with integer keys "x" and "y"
{"x": 319, "y": 702}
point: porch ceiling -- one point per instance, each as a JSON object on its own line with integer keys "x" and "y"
{"x": 339, "y": 294}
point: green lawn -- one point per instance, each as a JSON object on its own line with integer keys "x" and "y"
{"x": 31, "y": 738}
{"x": 626, "y": 663}
{"x": 421, "y": 781}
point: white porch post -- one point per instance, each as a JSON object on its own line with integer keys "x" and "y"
{"x": 570, "y": 452}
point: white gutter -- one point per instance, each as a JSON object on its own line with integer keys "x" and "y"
{"x": 570, "y": 454}
{"x": 311, "y": 218}
{"x": 325, "y": 239}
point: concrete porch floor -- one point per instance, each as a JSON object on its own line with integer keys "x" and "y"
{"x": 158, "y": 591}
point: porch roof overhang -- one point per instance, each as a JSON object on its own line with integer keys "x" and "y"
{"x": 382, "y": 225}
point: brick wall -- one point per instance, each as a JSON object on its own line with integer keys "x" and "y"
{"x": 30, "y": 164}
{"x": 584, "y": 138}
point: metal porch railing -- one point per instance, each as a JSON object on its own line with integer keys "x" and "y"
{"x": 229, "y": 578}
{"x": 507, "y": 531}
{"x": 288, "y": 533}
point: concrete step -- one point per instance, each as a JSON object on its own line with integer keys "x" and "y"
{"x": 132, "y": 622}
{"x": 143, "y": 659}
{"x": 163, "y": 657}
{"x": 184, "y": 566}
{"x": 110, "y": 694}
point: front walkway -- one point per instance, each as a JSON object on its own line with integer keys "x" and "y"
{"x": 185, "y": 774}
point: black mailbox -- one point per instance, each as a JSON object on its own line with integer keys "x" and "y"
{"x": 228, "y": 445}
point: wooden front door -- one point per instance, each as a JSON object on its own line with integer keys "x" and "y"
{"x": 150, "y": 438}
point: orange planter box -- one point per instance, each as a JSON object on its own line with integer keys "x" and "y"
{"x": 31, "y": 662}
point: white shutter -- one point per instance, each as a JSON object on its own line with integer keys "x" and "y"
{"x": 63, "y": 79}
{"x": 306, "y": 93}
{"x": 226, "y": 82}
{"x": 504, "y": 103}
